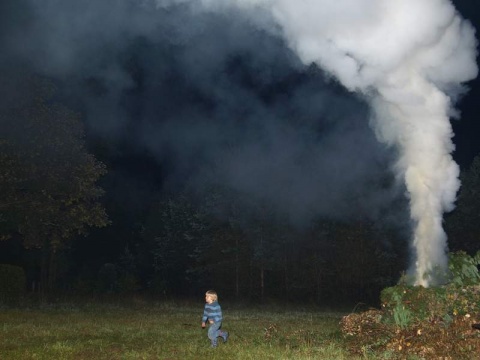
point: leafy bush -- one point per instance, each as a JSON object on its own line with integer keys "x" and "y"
{"x": 415, "y": 302}
{"x": 464, "y": 268}
{"x": 459, "y": 297}
{"x": 12, "y": 283}
{"x": 401, "y": 314}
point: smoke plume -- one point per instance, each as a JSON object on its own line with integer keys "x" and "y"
{"x": 218, "y": 91}
{"x": 405, "y": 56}
{"x": 408, "y": 58}
{"x": 214, "y": 96}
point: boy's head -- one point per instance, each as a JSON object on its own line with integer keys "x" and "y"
{"x": 211, "y": 296}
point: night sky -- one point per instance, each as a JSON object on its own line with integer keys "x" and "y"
{"x": 175, "y": 97}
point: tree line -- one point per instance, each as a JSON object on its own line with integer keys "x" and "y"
{"x": 51, "y": 202}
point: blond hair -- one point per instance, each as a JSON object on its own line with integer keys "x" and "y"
{"x": 212, "y": 294}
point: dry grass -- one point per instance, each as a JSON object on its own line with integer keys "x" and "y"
{"x": 439, "y": 325}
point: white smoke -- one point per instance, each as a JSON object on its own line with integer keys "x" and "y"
{"x": 404, "y": 55}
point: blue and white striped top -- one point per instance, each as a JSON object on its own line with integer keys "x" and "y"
{"x": 213, "y": 312}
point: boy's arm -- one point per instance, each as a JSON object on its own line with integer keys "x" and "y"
{"x": 204, "y": 317}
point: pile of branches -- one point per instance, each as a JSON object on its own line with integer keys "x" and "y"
{"x": 428, "y": 323}
{"x": 368, "y": 333}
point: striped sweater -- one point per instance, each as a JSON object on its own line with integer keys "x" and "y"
{"x": 213, "y": 312}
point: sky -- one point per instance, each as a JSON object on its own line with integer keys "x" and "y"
{"x": 241, "y": 96}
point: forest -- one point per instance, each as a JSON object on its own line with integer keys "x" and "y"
{"x": 159, "y": 149}
{"x": 69, "y": 226}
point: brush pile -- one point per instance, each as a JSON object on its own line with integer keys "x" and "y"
{"x": 426, "y": 323}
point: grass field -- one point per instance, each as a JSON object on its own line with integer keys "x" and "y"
{"x": 166, "y": 331}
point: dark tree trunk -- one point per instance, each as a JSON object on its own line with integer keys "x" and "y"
{"x": 43, "y": 286}
{"x": 237, "y": 268}
{"x": 285, "y": 270}
{"x": 262, "y": 283}
{"x": 52, "y": 269}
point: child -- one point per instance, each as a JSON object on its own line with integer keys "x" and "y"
{"x": 213, "y": 314}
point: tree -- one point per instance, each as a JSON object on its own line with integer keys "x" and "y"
{"x": 229, "y": 248}
{"x": 179, "y": 232}
{"x": 48, "y": 191}
{"x": 463, "y": 224}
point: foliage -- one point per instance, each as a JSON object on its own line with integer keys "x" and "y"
{"x": 463, "y": 224}
{"x": 456, "y": 297}
{"x": 49, "y": 190}
{"x": 413, "y": 317}
{"x": 179, "y": 231}
{"x": 107, "y": 277}
{"x": 12, "y": 283}
{"x": 250, "y": 251}
{"x": 464, "y": 268}
{"x": 127, "y": 283}
{"x": 401, "y": 314}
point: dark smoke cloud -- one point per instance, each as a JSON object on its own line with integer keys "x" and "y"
{"x": 213, "y": 98}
